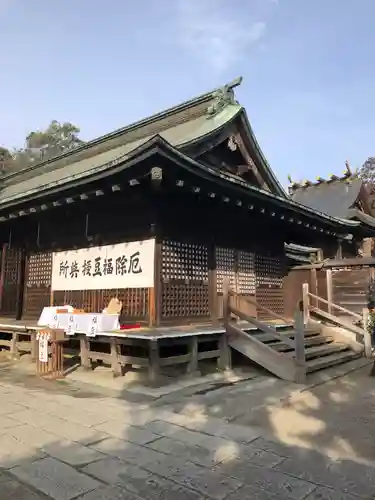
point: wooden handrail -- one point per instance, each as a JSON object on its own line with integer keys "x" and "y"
{"x": 332, "y": 304}
{"x": 265, "y": 328}
{"x": 298, "y": 342}
{"x": 255, "y": 303}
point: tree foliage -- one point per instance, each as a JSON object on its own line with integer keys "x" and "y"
{"x": 6, "y": 160}
{"x": 40, "y": 145}
{"x": 367, "y": 171}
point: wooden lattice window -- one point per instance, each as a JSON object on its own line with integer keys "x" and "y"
{"x": 184, "y": 271}
{"x": 269, "y": 280}
{"x": 39, "y": 269}
{"x": 184, "y": 261}
{"x": 12, "y": 263}
{"x": 246, "y": 273}
{"x": 225, "y": 267}
{"x": 268, "y": 270}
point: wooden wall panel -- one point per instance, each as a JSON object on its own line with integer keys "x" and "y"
{"x": 350, "y": 288}
{"x": 292, "y": 289}
{"x": 11, "y": 281}
{"x": 269, "y": 284}
{"x": 37, "y": 293}
{"x": 135, "y": 301}
{"x": 184, "y": 281}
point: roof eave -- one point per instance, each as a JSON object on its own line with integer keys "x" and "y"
{"x": 158, "y": 145}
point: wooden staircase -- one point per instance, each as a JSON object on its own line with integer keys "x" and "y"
{"x": 314, "y": 341}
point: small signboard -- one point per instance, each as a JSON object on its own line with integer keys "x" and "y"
{"x": 70, "y": 329}
{"x": 94, "y": 326}
{"x": 43, "y": 348}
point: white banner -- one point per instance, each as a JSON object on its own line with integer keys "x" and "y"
{"x": 125, "y": 265}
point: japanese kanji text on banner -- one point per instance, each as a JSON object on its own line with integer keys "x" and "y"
{"x": 125, "y": 265}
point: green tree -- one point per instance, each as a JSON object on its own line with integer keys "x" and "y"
{"x": 56, "y": 139}
{"x": 39, "y": 146}
{"x": 367, "y": 171}
{"x": 6, "y": 161}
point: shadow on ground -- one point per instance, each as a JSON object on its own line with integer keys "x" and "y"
{"x": 256, "y": 439}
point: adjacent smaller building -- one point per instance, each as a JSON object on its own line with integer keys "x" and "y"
{"x": 345, "y": 197}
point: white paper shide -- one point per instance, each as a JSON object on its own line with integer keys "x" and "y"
{"x": 125, "y": 265}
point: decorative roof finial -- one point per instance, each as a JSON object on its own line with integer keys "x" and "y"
{"x": 224, "y": 96}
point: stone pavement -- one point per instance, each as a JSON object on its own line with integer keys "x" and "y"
{"x": 63, "y": 444}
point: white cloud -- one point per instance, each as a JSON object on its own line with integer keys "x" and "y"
{"x": 219, "y": 32}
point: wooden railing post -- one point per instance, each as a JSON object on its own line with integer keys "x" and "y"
{"x": 299, "y": 342}
{"x": 367, "y": 336}
{"x": 306, "y": 303}
{"x": 329, "y": 289}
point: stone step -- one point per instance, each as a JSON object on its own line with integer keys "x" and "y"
{"x": 320, "y": 363}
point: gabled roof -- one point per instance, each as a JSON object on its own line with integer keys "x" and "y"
{"x": 336, "y": 196}
{"x": 182, "y": 126}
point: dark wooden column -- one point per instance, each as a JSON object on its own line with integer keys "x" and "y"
{"x": 212, "y": 285}
{"x": 2, "y": 272}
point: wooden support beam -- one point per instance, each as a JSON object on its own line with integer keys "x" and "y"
{"x": 225, "y": 358}
{"x": 193, "y": 364}
{"x": 154, "y": 362}
{"x": 85, "y": 353}
{"x": 115, "y": 352}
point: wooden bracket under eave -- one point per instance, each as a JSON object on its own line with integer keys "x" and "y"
{"x": 250, "y": 162}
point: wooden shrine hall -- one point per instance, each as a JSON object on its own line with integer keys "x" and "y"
{"x": 158, "y": 214}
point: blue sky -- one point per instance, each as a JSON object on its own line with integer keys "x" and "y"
{"x": 308, "y": 68}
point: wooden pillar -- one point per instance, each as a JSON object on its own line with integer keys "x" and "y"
{"x": 306, "y": 303}
{"x": 329, "y": 290}
{"x": 154, "y": 362}
{"x": 193, "y": 364}
{"x": 34, "y": 347}
{"x": 13, "y": 347}
{"x": 225, "y": 358}
{"x": 115, "y": 364}
{"x": 21, "y": 275}
{"x": 339, "y": 250}
{"x": 212, "y": 285}
{"x": 157, "y": 294}
{"x": 85, "y": 353}
{"x": 299, "y": 342}
{"x": 2, "y": 273}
